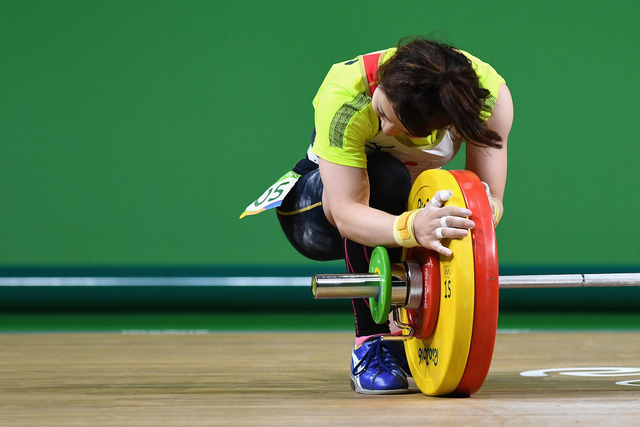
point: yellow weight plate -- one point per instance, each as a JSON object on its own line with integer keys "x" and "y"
{"x": 438, "y": 363}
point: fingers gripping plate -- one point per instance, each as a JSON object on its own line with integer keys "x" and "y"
{"x": 437, "y": 363}
{"x": 452, "y": 353}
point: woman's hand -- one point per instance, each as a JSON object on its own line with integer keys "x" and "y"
{"x": 435, "y": 222}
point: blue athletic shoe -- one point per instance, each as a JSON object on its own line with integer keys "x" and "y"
{"x": 376, "y": 368}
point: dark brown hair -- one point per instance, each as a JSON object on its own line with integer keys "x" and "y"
{"x": 432, "y": 85}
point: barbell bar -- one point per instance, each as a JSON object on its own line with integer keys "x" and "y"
{"x": 367, "y": 285}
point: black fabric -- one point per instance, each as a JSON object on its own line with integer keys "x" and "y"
{"x": 313, "y": 236}
{"x": 303, "y": 220}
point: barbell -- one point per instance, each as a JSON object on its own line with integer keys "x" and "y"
{"x": 447, "y": 306}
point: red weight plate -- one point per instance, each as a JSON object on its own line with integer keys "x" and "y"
{"x": 424, "y": 319}
{"x": 485, "y": 254}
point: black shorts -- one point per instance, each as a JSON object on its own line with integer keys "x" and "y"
{"x": 302, "y": 217}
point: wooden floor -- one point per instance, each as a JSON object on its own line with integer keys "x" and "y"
{"x": 298, "y": 379}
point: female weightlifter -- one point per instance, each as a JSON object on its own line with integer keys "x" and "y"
{"x": 380, "y": 120}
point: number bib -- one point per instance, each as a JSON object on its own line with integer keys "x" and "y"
{"x": 273, "y": 197}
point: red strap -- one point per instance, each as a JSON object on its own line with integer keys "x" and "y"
{"x": 371, "y": 62}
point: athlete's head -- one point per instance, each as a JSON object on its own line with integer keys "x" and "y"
{"x": 431, "y": 85}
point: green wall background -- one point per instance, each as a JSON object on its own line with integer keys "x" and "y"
{"x": 134, "y": 133}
